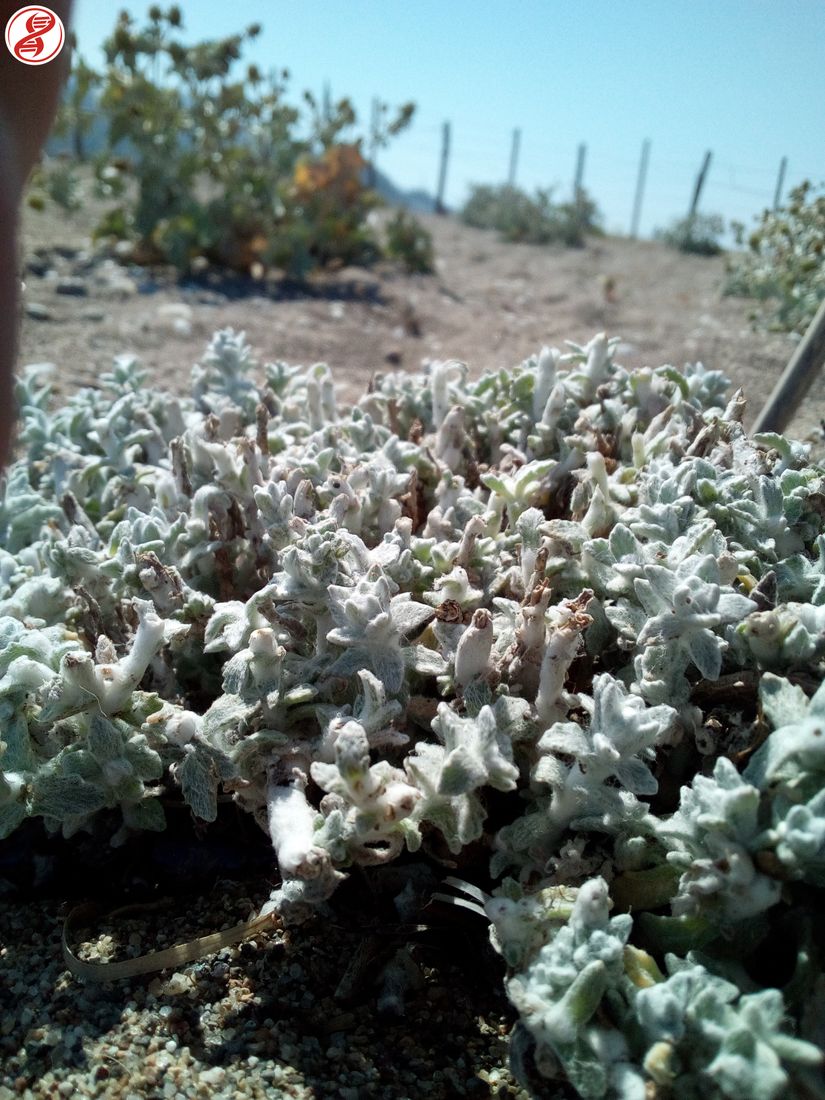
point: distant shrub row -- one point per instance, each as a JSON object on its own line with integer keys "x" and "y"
{"x": 534, "y": 219}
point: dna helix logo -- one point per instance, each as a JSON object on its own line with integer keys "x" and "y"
{"x": 35, "y": 35}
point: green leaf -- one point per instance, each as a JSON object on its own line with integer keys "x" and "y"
{"x": 148, "y": 814}
{"x": 783, "y": 703}
{"x": 11, "y": 816}
{"x": 105, "y": 741}
{"x": 678, "y": 935}
{"x": 63, "y": 796}
{"x": 198, "y": 778}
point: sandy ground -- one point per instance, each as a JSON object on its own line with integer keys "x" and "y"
{"x": 489, "y": 304}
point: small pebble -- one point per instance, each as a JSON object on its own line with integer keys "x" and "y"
{"x": 73, "y": 288}
{"x": 38, "y": 312}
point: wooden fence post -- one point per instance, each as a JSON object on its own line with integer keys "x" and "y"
{"x": 579, "y": 181}
{"x": 440, "y": 208}
{"x": 640, "y": 189}
{"x": 514, "y": 148}
{"x": 796, "y": 378}
{"x": 700, "y": 183}
{"x": 780, "y": 181}
{"x": 375, "y": 122}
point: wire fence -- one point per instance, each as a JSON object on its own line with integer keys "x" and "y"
{"x": 627, "y": 197}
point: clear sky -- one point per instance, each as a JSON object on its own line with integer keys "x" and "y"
{"x": 743, "y": 78}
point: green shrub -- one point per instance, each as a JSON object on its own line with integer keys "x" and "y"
{"x": 530, "y": 219}
{"x": 75, "y": 116}
{"x": 408, "y": 241}
{"x": 699, "y": 234}
{"x": 784, "y": 264}
{"x": 59, "y": 182}
{"x": 202, "y": 160}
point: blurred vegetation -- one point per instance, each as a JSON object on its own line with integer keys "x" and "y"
{"x": 784, "y": 265}
{"x": 410, "y": 243}
{"x": 531, "y": 219}
{"x": 699, "y": 234}
{"x": 203, "y": 157}
{"x": 60, "y": 182}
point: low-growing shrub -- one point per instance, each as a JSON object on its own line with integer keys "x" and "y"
{"x": 567, "y": 617}
{"x": 784, "y": 264}
{"x": 534, "y": 219}
{"x": 59, "y": 182}
{"x": 409, "y": 242}
{"x": 700, "y": 234}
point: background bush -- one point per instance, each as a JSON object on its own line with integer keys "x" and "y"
{"x": 784, "y": 264}
{"x": 700, "y": 234}
{"x": 409, "y": 242}
{"x": 530, "y": 219}
{"x": 203, "y": 157}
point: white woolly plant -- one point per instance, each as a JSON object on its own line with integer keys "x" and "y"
{"x": 506, "y": 612}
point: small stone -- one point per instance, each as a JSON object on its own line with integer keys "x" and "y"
{"x": 37, "y": 265}
{"x": 394, "y": 357}
{"x": 38, "y": 312}
{"x": 358, "y": 282}
{"x": 73, "y": 288}
{"x": 214, "y": 1076}
{"x": 178, "y": 983}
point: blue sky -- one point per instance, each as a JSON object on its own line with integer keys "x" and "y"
{"x": 743, "y": 78}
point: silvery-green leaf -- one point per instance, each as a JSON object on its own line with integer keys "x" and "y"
{"x": 64, "y": 796}
{"x": 146, "y": 814}
{"x": 514, "y": 718}
{"x": 783, "y": 703}
{"x": 373, "y": 710}
{"x": 409, "y": 617}
{"x": 104, "y": 739}
{"x": 477, "y": 694}
{"x": 550, "y": 770}
{"x": 636, "y": 777}
{"x": 461, "y": 773}
{"x": 17, "y": 753}
{"x": 227, "y": 627}
{"x": 198, "y": 778}
{"x": 300, "y": 694}
{"x": 12, "y": 815}
{"x": 146, "y": 762}
{"x": 424, "y": 661}
{"x": 389, "y": 668}
{"x": 225, "y": 716}
{"x": 706, "y": 653}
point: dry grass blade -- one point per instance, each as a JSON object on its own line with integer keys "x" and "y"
{"x": 175, "y": 956}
